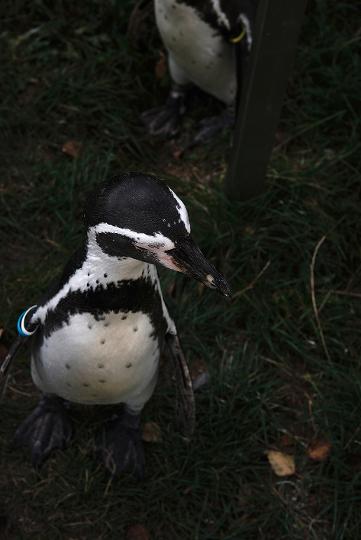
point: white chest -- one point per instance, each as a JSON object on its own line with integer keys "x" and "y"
{"x": 104, "y": 361}
{"x": 203, "y": 55}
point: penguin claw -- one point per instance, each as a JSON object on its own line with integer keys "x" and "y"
{"x": 120, "y": 448}
{"x": 47, "y": 428}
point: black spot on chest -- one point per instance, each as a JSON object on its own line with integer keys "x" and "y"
{"x": 139, "y": 295}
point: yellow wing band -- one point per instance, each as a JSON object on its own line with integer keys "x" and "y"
{"x": 239, "y": 38}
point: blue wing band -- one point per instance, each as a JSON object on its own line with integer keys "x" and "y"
{"x": 20, "y": 325}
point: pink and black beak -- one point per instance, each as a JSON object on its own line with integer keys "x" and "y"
{"x": 188, "y": 258}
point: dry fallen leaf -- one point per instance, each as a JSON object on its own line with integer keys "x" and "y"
{"x": 248, "y": 230}
{"x": 151, "y": 432}
{"x": 161, "y": 66}
{"x": 282, "y": 464}
{"x": 72, "y": 148}
{"x": 137, "y": 532}
{"x": 319, "y": 450}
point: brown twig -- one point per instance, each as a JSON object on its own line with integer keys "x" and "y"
{"x": 313, "y": 296}
{"x": 253, "y": 282}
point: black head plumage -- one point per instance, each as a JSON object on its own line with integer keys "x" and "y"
{"x": 138, "y": 202}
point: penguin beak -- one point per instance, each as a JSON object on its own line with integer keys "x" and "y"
{"x": 187, "y": 258}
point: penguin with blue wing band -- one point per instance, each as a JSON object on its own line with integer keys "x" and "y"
{"x": 101, "y": 329}
{"x": 204, "y": 42}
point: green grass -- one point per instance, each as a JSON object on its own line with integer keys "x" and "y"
{"x": 69, "y": 73}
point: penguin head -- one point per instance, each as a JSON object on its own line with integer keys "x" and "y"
{"x": 136, "y": 215}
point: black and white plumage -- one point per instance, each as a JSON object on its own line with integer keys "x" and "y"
{"x": 103, "y": 325}
{"x": 201, "y": 38}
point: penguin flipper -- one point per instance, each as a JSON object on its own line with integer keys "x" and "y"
{"x": 120, "y": 446}
{"x": 186, "y": 412}
{"x": 47, "y": 428}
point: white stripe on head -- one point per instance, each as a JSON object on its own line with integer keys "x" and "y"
{"x": 140, "y": 239}
{"x": 182, "y": 211}
{"x": 156, "y": 244}
{"x": 222, "y": 19}
{"x": 247, "y": 27}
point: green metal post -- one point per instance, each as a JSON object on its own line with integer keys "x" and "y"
{"x": 278, "y": 25}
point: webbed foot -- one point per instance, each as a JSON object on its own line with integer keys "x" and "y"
{"x": 164, "y": 120}
{"x": 120, "y": 445}
{"x": 47, "y": 428}
{"x": 211, "y": 126}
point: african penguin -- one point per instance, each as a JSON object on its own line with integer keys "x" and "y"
{"x": 203, "y": 39}
{"x": 101, "y": 328}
